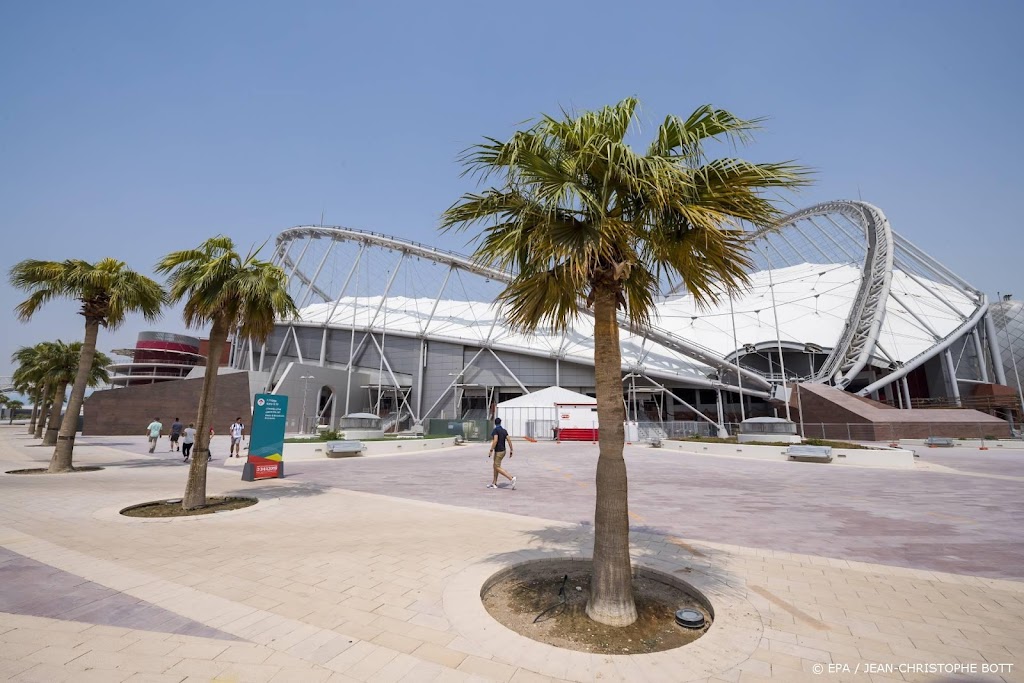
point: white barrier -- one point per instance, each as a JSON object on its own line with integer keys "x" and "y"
{"x": 895, "y": 459}
{"x": 972, "y": 443}
{"x": 317, "y": 450}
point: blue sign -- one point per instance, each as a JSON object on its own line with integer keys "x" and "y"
{"x": 266, "y": 439}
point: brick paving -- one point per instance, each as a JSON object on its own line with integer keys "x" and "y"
{"x": 928, "y": 520}
{"x": 326, "y": 580}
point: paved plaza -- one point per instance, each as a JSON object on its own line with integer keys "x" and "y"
{"x": 369, "y": 569}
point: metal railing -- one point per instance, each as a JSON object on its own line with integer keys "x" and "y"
{"x": 650, "y": 431}
{"x": 891, "y": 432}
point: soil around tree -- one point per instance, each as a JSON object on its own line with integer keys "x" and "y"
{"x": 526, "y": 599}
{"x": 172, "y": 507}
{"x": 44, "y": 470}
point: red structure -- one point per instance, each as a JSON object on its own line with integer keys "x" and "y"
{"x": 160, "y": 357}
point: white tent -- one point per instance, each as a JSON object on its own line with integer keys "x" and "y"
{"x": 536, "y": 414}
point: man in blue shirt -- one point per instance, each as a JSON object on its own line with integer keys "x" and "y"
{"x": 499, "y": 441}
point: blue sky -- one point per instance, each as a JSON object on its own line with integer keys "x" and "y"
{"x": 132, "y": 129}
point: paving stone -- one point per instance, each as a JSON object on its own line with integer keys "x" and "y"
{"x": 398, "y": 553}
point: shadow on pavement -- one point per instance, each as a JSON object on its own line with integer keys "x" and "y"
{"x": 286, "y": 491}
{"x": 560, "y": 542}
{"x": 144, "y": 462}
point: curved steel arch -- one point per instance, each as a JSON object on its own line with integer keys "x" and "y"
{"x": 856, "y": 343}
{"x": 454, "y": 260}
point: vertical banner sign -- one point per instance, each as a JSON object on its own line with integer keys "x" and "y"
{"x": 266, "y": 438}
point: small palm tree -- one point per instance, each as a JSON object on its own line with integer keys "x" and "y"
{"x": 13, "y": 405}
{"x": 30, "y": 380}
{"x": 246, "y": 296}
{"x": 108, "y": 291}
{"x": 61, "y": 368}
{"x": 579, "y": 216}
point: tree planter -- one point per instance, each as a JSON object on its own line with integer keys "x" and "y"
{"x": 535, "y": 600}
{"x": 172, "y": 507}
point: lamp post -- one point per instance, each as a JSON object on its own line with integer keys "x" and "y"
{"x": 305, "y": 390}
{"x": 775, "y": 312}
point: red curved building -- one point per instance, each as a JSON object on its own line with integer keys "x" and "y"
{"x": 158, "y": 357}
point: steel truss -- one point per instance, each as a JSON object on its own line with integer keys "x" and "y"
{"x": 839, "y": 231}
{"x": 754, "y": 383}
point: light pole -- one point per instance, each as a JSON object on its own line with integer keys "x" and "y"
{"x": 305, "y": 390}
{"x": 775, "y": 312}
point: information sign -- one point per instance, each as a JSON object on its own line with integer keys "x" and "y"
{"x": 266, "y": 439}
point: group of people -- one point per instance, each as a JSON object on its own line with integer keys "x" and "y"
{"x": 501, "y": 443}
{"x": 183, "y": 438}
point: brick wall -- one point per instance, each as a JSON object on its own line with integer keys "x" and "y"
{"x": 129, "y": 410}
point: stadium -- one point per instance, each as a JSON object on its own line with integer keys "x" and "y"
{"x": 839, "y": 304}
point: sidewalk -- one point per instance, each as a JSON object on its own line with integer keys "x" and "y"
{"x": 316, "y": 583}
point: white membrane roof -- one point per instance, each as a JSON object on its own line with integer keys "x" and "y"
{"x": 813, "y": 303}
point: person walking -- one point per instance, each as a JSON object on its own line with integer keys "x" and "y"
{"x": 176, "y": 428}
{"x": 154, "y": 433}
{"x": 188, "y": 439}
{"x": 500, "y": 440}
{"x": 236, "y": 430}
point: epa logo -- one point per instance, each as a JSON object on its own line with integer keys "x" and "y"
{"x": 260, "y": 402}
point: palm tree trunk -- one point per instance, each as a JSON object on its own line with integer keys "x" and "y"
{"x": 611, "y": 587}
{"x": 195, "y": 487}
{"x": 44, "y": 408}
{"x": 61, "y": 460}
{"x": 53, "y": 424}
{"x": 36, "y": 398}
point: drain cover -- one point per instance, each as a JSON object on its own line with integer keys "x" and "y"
{"x": 689, "y": 618}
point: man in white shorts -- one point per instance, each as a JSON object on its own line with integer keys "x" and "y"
{"x": 236, "y": 430}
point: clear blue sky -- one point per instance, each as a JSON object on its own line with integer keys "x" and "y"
{"x": 130, "y": 129}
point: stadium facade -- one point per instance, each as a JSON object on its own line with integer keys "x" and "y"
{"x": 411, "y": 332}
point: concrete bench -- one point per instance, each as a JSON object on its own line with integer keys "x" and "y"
{"x": 810, "y": 453}
{"x": 342, "y": 449}
{"x": 933, "y": 441}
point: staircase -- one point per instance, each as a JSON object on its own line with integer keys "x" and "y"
{"x": 396, "y": 422}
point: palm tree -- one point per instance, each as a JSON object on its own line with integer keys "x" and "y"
{"x": 108, "y": 291}
{"x": 29, "y": 379}
{"x": 585, "y": 222}
{"x": 61, "y": 367}
{"x": 246, "y": 296}
{"x": 13, "y": 405}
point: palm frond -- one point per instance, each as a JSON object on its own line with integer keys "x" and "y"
{"x": 577, "y": 207}
{"x": 246, "y": 295}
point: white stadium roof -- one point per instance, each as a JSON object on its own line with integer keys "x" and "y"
{"x": 842, "y": 281}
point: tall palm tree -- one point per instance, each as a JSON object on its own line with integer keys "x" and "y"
{"x": 586, "y": 222}
{"x": 61, "y": 367}
{"x": 108, "y": 291}
{"x": 30, "y": 379}
{"x": 230, "y": 293}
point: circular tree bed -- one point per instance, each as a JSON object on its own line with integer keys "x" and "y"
{"x": 43, "y": 470}
{"x": 172, "y": 508}
{"x": 529, "y": 599}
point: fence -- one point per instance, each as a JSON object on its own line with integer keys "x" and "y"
{"x": 537, "y": 423}
{"x": 471, "y": 430}
{"x": 888, "y": 432}
{"x": 650, "y": 431}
